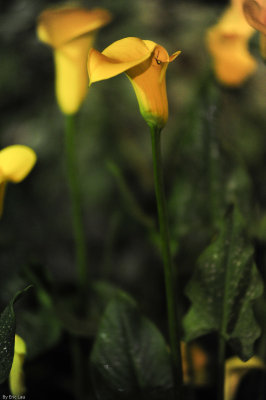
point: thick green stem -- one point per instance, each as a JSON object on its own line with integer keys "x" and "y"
{"x": 174, "y": 323}
{"x": 74, "y": 189}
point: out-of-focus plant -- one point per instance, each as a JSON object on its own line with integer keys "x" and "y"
{"x": 16, "y": 162}
{"x": 70, "y": 31}
{"x": 195, "y": 364}
{"x": 255, "y": 13}
{"x": 227, "y": 42}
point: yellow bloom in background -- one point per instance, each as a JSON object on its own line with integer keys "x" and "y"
{"x": 227, "y": 42}
{"x": 16, "y": 376}
{"x": 255, "y": 13}
{"x": 15, "y": 164}
{"x": 145, "y": 63}
{"x": 235, "y": 369}
{"x": 70, "y": 31}
{"x": 195, "y": 364}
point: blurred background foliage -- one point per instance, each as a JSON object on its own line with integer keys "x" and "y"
{"x": 213, "y": 154}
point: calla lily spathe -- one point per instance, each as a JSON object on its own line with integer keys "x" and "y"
{"x": 15, "y": 164}
{"x": 70, "y": 31}
{"x": 255, "y": 13}
{"x": 145, "y": 63}
{"x": 235, "y": 370}
{"x": 227, "y": 42}
{"x": 16, "y": 376}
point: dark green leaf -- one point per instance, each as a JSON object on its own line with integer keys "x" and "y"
{"x": 222, "y": 289}
{"x": 7, "y": 336}
{"x": 130, "y": 359}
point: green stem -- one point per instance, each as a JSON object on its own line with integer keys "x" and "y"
{"x": 224, "y": 315}
{"x": 173, "y": 315}
{"x": 74, "y": 189}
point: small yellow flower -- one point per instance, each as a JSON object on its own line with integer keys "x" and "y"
{"x": 235, "y": 369}
{"x": 16, "y": 376}
{"x": 196, "y": 359}
{"x": 70, "y": 31}
{"x": 227, "y": 42}
{"x": 15, "y": 164}
{"x": 145, "y": 64}
{"x": 255, "y": 13}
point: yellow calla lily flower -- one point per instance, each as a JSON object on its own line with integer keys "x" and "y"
{"x": 15, "y": 164}
{"x": 198, "y": 362}
{"x": 70, "y": 31}
{"x": 227, "y": 42}
{"x": 235, "y": 369}
{"x": 16, "y": 376}
{"x": 255, "y": 13}
{"x": 145, "y": 63}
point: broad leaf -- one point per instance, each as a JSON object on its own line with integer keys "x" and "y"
{"x": 130, "y": 359}
{"x": 223, "y": 287}
{"x": 7, "y": 337}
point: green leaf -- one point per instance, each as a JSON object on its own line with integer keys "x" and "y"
{"x": 130, "y": 359}
{"x": 7, "y": 336}
{"x": 222, "y": 289}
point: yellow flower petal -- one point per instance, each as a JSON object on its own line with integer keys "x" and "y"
{"x": 145, "y": 64}
{"x": 70, "y": 31}
{"x": 16, "y": 376}
{"x": 57, "y": 26}
{"x": 233, "y": 21}
{"x": 16, "y": 162}
{"x": 227, "y": 42}
{"x": 117, "y": 58}
{"x": 255, "y": 13}
{"x": 148, "y": 80}
{"x": 235, "y": 369}
{"x": 233, "y": 63}
{"x": 71, "y": 73}
{"x": 195, "y": 358}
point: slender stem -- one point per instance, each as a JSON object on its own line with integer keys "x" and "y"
{"x": 74, "y": 189}
{"x": 173, "y": 315}
{"x": 224, "y": 315}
